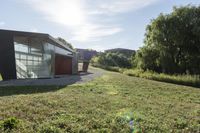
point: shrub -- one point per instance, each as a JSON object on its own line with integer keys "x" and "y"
{"x": 10, "y": 123}
{"x": 112, "y": 59}
{"x": 50, "y": 129}
{"x": 184, "y": 79}
{"x": 171, "y": 44}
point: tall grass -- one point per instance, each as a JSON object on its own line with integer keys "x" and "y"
{"x": 109, "y": 68}
{"x": 184, "y": 79}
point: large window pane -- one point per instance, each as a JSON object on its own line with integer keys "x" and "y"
{"x": 61, "y": 51}
{"x": 21, "y": 44}
{"x": 33, "y": 58}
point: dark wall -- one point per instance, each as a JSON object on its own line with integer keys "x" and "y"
{"x": 7, "y": 56}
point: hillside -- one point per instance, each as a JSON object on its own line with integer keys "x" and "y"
{"x": 111, "y": 103}
{"x": 127, "y": 52}
{"x": 86, "y": 54}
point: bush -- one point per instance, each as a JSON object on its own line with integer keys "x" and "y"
{"x": 109, "y": 68}
{"x": 184, "y": 79}
{"x": 10, "y": 123}
{"x": 172, "y": 42}
{"x": 112, "y": 60}
{"x": 50, "y": 129}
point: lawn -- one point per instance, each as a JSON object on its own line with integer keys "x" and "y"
{"x": 111, "y": 103}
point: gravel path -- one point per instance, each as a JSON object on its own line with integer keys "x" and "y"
{"x": 64, "y": 80}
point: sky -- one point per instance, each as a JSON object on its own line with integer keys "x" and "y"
{"x": 88, "y": 24}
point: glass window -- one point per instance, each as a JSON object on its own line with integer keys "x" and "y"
{"x": 30, "y": 63}
{"x": 30, "y": 57}
{"x": 23, "y": 56}
{"x": 21, "y": 44}
{"x": 62, "y": 51}
{"x": 17, "y": 55}
{"x": 39, "y": 59}
{"x": 33, "y": 58}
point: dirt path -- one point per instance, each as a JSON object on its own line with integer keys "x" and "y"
{"x": 64, "y": 80}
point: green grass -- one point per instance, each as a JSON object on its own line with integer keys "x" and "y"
{"x": 189, "y": 80}
{"x": 107, "y": 104}
{"x": 184, "y": 79}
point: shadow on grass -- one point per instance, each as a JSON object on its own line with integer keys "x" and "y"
{"x": 32, "y": 86}
{"x": 17, "y": 90}
{"x": 195, "y": 83}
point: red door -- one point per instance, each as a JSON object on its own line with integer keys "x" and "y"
{"x": 63, "y": 65}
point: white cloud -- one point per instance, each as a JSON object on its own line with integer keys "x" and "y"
{"x": 78, "y": 15}
{"x": 66, "y": 12}
{"x": 99, "y": 47}
{"x": 2, "y": 23}
{"x": 94, "y": 32}
{"x": 112, "y": 7}
{"x": 34, "y": 30}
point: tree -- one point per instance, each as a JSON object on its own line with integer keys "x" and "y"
{"x": 147, "y": 59}
{"x": 112, "y": 59}
{"x": 172, "y": 42}
{"x": 65, "y": 42}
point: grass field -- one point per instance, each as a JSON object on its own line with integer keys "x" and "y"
{"x": 112, "y": 103}
{"x": 181, "y": 79}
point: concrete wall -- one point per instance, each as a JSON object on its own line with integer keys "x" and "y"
{"x": 75, "y": 63}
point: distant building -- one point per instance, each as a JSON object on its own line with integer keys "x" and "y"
{"x": 34, "y": 55}
{"x": 86, "y": 54}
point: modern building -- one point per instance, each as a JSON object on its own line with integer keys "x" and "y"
{"x": 86, "y": 54}
{"x": 34, "y": 55}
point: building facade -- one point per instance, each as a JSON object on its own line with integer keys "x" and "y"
{"x": 86, "y": 54}
{"x": 34, "y": 55}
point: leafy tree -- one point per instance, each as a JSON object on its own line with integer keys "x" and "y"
{"x": 65, "y": 42}
{"x": 172, "y": 42}
{"x": 112, "y": 59}
{"x": 147, "y": 59}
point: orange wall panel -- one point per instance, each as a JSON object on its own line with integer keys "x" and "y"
{"x": 63, "y": 65}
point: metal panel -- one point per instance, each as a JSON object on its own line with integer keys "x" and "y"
{"x": 7, "y": 56}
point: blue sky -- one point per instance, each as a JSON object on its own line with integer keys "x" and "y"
{"x": 93, "y": 24}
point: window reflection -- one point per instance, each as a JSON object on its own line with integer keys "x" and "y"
{"x": 33, "y": 58}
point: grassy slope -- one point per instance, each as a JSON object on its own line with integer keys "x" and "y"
{"x": 107, "y": 104}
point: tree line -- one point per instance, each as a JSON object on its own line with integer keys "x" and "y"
{"x": 171, "y": 45}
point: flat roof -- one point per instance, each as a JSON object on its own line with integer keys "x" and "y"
{"x": 35, "y": 34}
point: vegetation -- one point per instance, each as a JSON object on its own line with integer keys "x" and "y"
{"x": 181, "y": 79}
{"x": 189, "y": 80}
{"x": 126, "y": 52}
{"x": 112, "y": 103}
{"x": 172, "y": 43}
{"x": 171, "y": 50}
{"x": 114, "y": 58}
{"x": 9, "y": 124}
